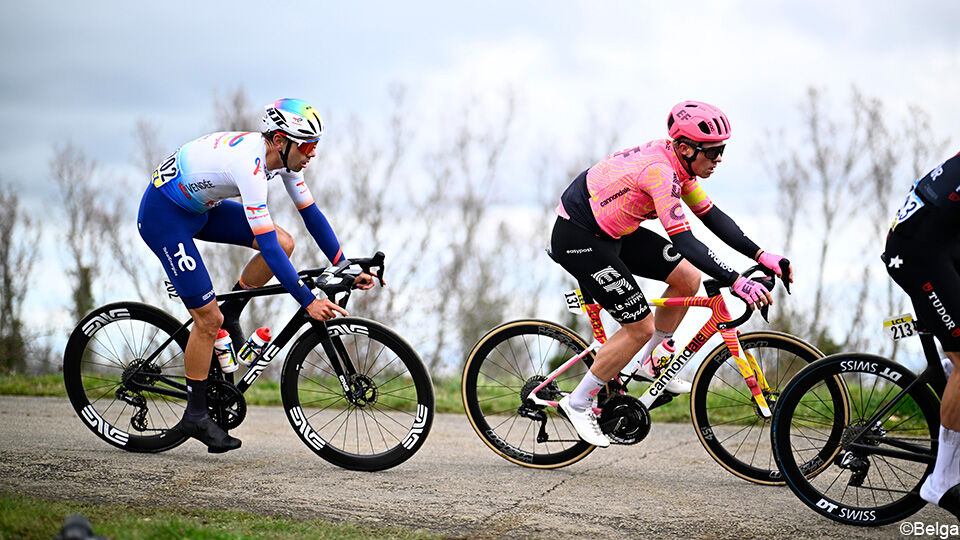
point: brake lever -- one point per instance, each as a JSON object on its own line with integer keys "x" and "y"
{"x": 784, "y": 273}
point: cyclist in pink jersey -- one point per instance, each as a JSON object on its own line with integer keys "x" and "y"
{"x": 598, "y": 239}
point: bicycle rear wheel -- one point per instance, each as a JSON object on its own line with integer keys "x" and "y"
{"x": 876, "y": 475}
{"x": 385, "y": 412}
{"x": 115, "y": 351}
{"x": 725, "y": 416}
{"x": 507, "y": 362}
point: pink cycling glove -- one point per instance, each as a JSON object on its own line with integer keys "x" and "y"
{"x": 771, "y": 261}
{"x": 749, "y": 290}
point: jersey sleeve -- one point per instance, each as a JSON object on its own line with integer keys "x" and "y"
{"x": 252, "y": 185}
{"x": 727, "y": 230}
{"x": 660, "y": 182}
{"x": 317, "y": 224}
{"x": 695, "y": 197}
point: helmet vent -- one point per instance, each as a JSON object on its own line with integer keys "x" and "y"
{"x": 704, "y": 127}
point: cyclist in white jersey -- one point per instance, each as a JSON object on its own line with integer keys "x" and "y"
{"x": 187, "y": 200}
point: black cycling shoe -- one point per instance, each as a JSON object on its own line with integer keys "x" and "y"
{"x": 209, "y": 433}
{"x": 950, "y": 501}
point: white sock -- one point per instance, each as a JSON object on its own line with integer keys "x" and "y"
{"x": 582, "y": 397}
{"x": 657, "y": 339}
{"x": 946, "y": 473}
{"x": 645, "y": 353}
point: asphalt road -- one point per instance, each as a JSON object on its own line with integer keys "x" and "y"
{"x": 665, "y": 487}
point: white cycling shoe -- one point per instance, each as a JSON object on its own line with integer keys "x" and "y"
{"x": 645, "y": 372}
{"x": 585, "y": 423}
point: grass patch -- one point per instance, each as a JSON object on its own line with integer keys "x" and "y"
{"x": 23, "y": 517}
{"x": 267, "y": 392}
{"x": 32, "y": 385}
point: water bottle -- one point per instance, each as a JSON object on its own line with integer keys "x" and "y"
{"x": 662, "y": 354}
{"x": 666, "y": 349}
{"x": 223, "y": 348}
{"x": 254, "y": 346}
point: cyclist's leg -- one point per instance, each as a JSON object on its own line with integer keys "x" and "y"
{"x": 227, "y": 224}
{"x": 168, "y": 230}
{"x": 652, "y": 256}
{"x": 606, "y": 278}
{"x": 927, "y": 272}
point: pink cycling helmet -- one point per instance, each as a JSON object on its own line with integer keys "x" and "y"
{"x": 698, "y": 122}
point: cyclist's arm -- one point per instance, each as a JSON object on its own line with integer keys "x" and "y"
{"x": 313, "y": 218}
{"x": 727, "y": 230}
{"x": 664, "y": 189}
{"x": 253, "y": 196}
{"x": 703, "y": 258}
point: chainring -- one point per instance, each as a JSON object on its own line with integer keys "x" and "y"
{"x": 226, "y": 404}
{"x": 624, "y": 420}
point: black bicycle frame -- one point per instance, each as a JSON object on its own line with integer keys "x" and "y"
{"x": 934, "y": 377}
{"x": 332, "y": 346}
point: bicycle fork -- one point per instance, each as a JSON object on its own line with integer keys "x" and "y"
{"x": 750, "y": 369}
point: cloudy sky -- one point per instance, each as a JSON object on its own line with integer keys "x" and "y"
{"x": 85, "y": 72}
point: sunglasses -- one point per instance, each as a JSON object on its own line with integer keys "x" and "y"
{"x": 305, "y": 148}
{"x": 711, "y": 153}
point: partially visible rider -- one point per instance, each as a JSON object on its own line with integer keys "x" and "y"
{"x": 187, "y": 200}
{"x": 922, "y": 255}
{"x": 598, "y": 239}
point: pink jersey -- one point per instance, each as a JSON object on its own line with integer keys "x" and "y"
{"x": 642, "y": 183}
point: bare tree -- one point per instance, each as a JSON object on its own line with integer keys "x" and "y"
{"x": 859, "y": 149}
{"x": 236, "y": 112}
{"x": 130, "y": 253}
{"x": 18, "y": 254}
{"x": 83, "y": 223}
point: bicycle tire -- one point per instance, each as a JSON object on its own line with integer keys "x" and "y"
{"x": 887, "y": 498}
{"x": 105, "y": 344}
{"x": 500, "y": 364}
{"x": 724, "y": 413}
{"x": 396, "y": 407}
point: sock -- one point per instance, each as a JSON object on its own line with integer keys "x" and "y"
{"x": 946, "y": 473}
{"x": 658, "y": 337}
{"x": 196, "y": 400}
{"x": 638, "y": 360}
{"x": 582, "y": 397}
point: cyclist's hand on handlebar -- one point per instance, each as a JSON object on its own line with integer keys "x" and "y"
{"x": 323, "y": 310}
{"x": 772, "y": 261}
{"x": 751, "y": 292}
{"x": 365, "y": 281}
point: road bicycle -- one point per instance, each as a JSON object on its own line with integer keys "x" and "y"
{"x": 856, "y": 434}
{"x": 516, "y": 374}
{"x": 356, "y": 393}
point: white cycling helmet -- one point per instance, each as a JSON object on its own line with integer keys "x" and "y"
{"x": 294, "y": 118}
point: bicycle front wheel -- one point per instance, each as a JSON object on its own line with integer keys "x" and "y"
{"x": 725, "y": 416}
{"x": 114, "y": 357}
{"x": 882, "y": 459}
{"x": 505, "y": 366}
{"x": 378, "y": 415}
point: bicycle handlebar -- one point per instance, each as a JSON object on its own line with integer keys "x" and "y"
{"x": 769, "y": 280}
{"x": 341, "y": 276}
